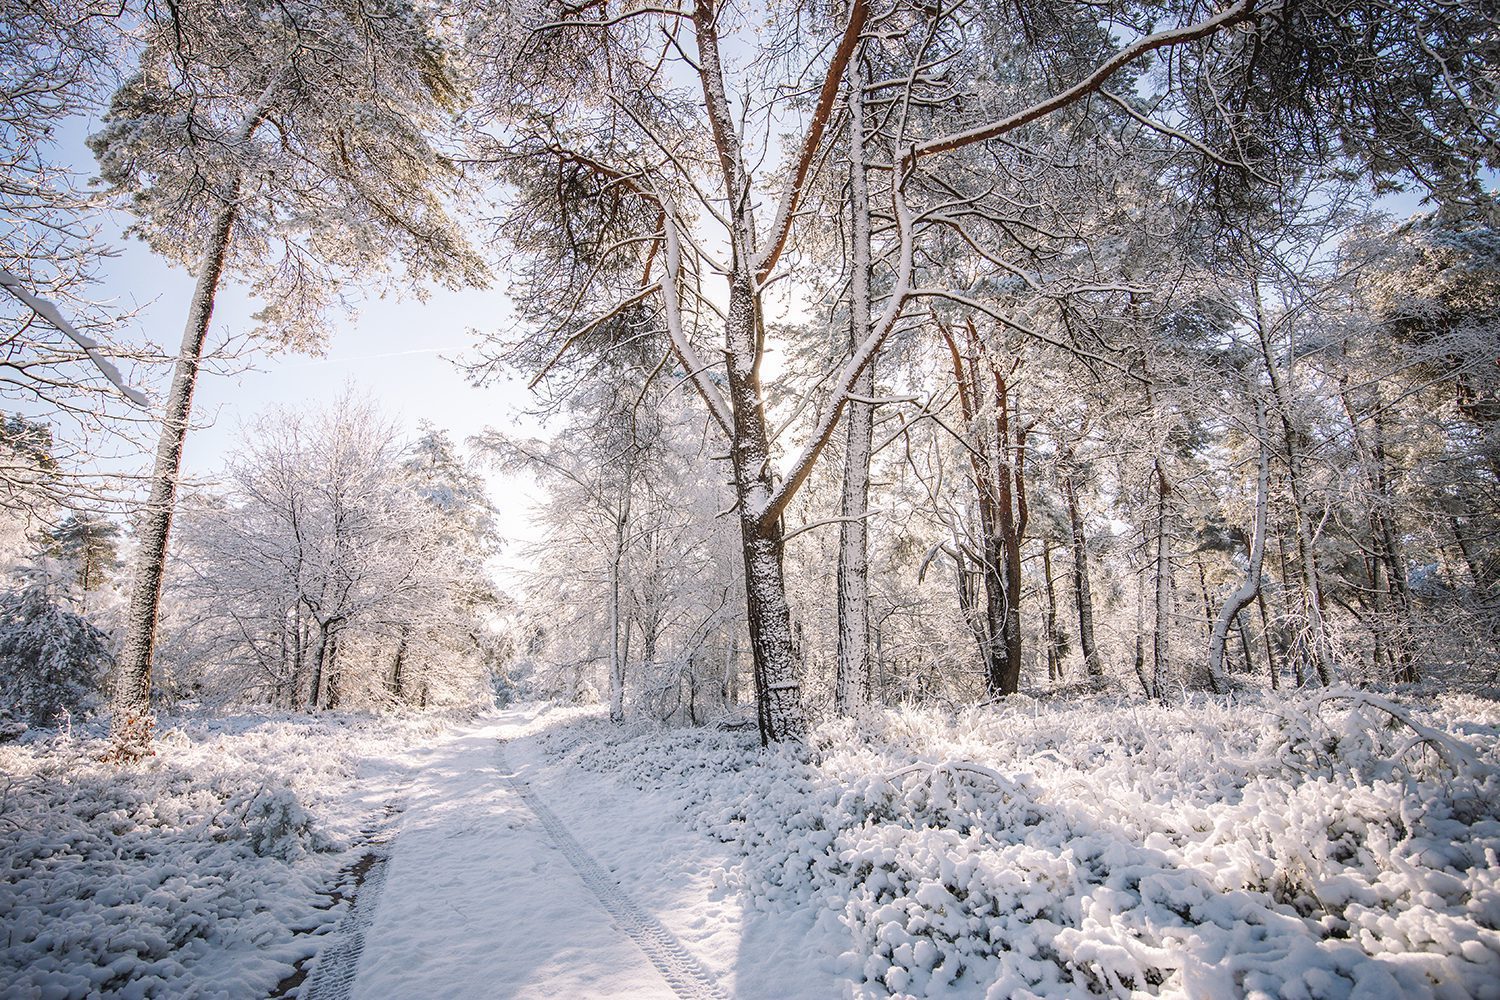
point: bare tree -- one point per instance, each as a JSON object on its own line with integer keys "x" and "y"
{"x": 61, "y": 348}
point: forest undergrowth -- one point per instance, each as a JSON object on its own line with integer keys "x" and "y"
{"x": 1332, "y": 843}
{"x": 1336, "y": 843}
{"x": 201, "y": 871}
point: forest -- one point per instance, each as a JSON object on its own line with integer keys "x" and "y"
{"x": 1024, "y": 475}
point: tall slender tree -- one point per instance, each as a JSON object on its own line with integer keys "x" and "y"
{"x": 289, "y": 146}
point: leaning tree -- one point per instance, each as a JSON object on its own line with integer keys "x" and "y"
{"x": 294, "y": 147}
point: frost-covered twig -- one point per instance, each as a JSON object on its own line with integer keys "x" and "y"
{"x": 970, "y": 768}
{"x": 1304, "y": 740}
{"x": 1454, "y": 752}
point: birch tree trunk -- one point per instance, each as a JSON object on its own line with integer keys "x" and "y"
{"x": 131, "y": 722}
{"x": 854, "y": 569}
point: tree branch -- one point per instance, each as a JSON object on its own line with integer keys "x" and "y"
{"x": 1244, "y": 10}
{"x": 782, "y": 227}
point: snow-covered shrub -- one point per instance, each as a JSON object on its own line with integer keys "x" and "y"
{"x": 1343, "y": 730}
{"x": 1330, "y": 846}
{"x": 188, "y": 874}
{"x": 52, "y": 661}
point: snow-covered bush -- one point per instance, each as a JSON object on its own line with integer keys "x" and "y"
{"x": 197, "y": 872}
{"x": 1328, "y": 846}
{"x": 52, "y": 661}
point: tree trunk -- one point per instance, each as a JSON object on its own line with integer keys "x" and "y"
{"x": 332, "y": 680}
{"x": 997, "y": 615}
{"x": 650, "y": 626}
{"x": 1239, "y": 627}
{"x": 1306, "y": 550}
{"x": 1295, "y": 653}
{"x": 1162, "y": 620}
{"x": 396, "y": 681}
{"x": 1388, "y": 555}
{"x": 1010, "y": 447}
{"x": 284, "y": 672}
{"x": 1140, "y": 634}
{"x": 1265, "y": 637}
{"x": 301, "y": 638}
{"x": 131, "y": 722}
{"x": 997, "y": 470}
{"x": 320, "y": 651}
{"x": 854, "y": 570}
{"x": 967, "y": 593}
{"x": 1479, "y": 572}
{"x": 731, "y": 683}
{"x": 1214, "y": 683}
{"x": 1082, "y": 593}
{"x": 778, "y": 673}
{"x": 1054, "y": 643}
{"x": 1250, "y": 589}
{"x": 616, "y": 654}
{"x": 778, "y": 680}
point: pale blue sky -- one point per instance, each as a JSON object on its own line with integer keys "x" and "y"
{"x": 394, "y": 350}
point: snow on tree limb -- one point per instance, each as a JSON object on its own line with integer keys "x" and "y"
{"x": 862, "y": 357}
{"x": 717, "y": 405}
{"x": 786, "y": 211}
{"x": 49, "y": 312}
{"x": 1242, "y": 11}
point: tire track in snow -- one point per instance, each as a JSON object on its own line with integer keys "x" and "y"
{"x": 688, "y": 979}
{"x": 332, "y": 974}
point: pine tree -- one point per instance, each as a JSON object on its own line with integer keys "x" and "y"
{"x": 291, "y": 147}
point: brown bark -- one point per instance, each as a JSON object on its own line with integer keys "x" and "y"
{"x": 997, "y": 463}
{"x": 131, "y": 723}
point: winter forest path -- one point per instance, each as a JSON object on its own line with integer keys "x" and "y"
{"x": 510, "y": 878}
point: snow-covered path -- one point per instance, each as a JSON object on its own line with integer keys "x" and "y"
{"x": 482, "y": 899}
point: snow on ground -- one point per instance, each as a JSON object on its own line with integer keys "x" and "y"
{"x": 1322, "y": 845}
{"x": 479, "y": 900}
{"x": 1318, "y": 847}
{"x": 198, "y": 872}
